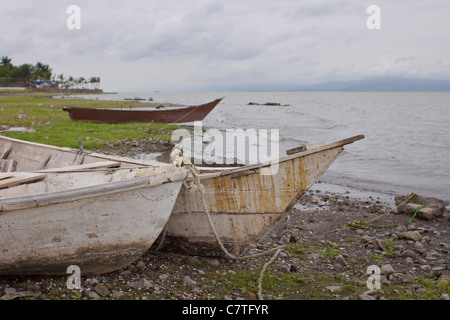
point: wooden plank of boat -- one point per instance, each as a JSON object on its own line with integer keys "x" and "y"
{"x": 96, "y": 220}
{"x": 5, "y": 153}
{"x": 7, "y": 165}
{"x": 244, "y": 203}
{"x": 296, "y": 150}
{"x": 4, "y": 175}
{"x": 19, "y": 178}
{"x": 44, "y": 163}
{"x": 173, "y": 115}
{"x": 82, "y": 167}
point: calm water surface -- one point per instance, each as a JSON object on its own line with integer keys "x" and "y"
{"x": 407, "y": 135}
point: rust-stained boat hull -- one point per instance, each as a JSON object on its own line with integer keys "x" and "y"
{"x": 173, "y": 115}
{"x": 244, "y": 204}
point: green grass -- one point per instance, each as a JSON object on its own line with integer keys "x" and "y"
{"x": 295, "y": 249}
{"x": 390, "y": 252}
{"x": 14, "y": 90}
{"x": 53, "y": 126}
{"x": 329, "y": 251}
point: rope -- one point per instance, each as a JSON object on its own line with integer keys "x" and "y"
{"x": 366, "y": 224}
{"x": 179, "y": 159}
{"x": 161, "y": 241}
{"x": 227, "y": 253}
{"x": 263, "y": 270}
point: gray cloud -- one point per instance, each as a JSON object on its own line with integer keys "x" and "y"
{"x": 215, "y": 44}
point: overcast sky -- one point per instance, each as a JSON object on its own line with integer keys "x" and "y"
{"x": 205, "y": 45}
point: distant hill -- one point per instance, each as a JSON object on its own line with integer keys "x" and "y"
{"x": 381, "y": 84}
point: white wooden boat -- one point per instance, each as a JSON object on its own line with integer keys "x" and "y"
{"x": 99, "y": 221}
{"x": 243, "y": 203}
{"x": 19, "y": 155}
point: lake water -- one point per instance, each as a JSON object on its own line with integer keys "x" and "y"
{"x": 407, "y": 135}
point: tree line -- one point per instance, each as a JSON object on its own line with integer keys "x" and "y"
{"x": 26, "y": 75}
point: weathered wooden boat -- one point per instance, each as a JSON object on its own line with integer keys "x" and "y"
{"x": 169, "y": 115}
{"x": 98, "y": 220}
{"x": 19, "y": 155}
{"x": 245, "y": 203}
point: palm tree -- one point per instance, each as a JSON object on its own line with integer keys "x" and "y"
{"x": 82, "y": 81}
{"x": 91, "y": 82}
{"x": 70, "y": 80}
{"x": 5, "y": 61}
{"x": 94, "y": 81}
{"x": 43, "y": 71}
{"x": 97, "y": 82}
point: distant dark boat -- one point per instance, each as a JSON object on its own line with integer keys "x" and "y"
{"x": 172, "y": 115}
{"x": 134, "y": 99}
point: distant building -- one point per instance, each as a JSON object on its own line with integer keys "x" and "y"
{"x": 44, "y": 84}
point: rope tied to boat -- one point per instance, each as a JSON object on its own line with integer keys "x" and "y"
{"x": 366, "y": 224}
{"x": 179, "y": 159}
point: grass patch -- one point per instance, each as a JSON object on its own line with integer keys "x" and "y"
{"x": 329, "y": 251}
{"x": 377, "y": 257}
{"x": 276, "y": 284}
{"x": 14, "y": 90}
{"x": 228, "y": 284}
{"x": 295, "y": 249}
{"x": 434, "y": 288}
{"x": 53, "y": 126}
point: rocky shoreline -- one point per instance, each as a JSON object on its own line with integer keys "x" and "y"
{"x": 325, "y": 256}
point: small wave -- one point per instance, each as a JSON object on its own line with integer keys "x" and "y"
{"x": 387, "y": 188}
{"x": 334, "y": 127}
{"x": 289, "y": 140}
{"x": 295, "y": 112}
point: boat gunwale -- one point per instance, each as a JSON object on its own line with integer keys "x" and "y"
{"x": 135, "y": 110}
{"x": 220, "y": 171}
{"x": 206, "y": 175}
{"x": 224, "y": 171}
{"x": 56, "y": 197}
{"x": 86, "y": 152}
